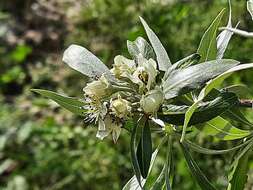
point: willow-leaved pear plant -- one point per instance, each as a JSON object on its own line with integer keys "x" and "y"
{"x": 146, "y": 93}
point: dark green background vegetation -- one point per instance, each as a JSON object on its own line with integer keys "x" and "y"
{"x": 45, "y": 147}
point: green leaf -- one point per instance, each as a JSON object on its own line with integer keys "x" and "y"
{"x": 203, "y": 150}
{"x": 195, "y": 170}
{"x": 161, "y": 55}
{"x": 169, "y": 164}
{"x": 240, "y": 89}
{"x": 194, "y": 77}
{"x": 163, "y": 178}
{"x": 205, "y": 111}
{"x": 134, "y": 158}
{"x": 238, "y": 176}
{"x": 133, "y": 184}
{"x": 207, "y": 47}
{"x": 144, "y": 150}
{"x": 140, "y": 46}
{"x": 236, "y": 115}
{"x": 83, "y": 61}
{"x": 222, "y": 129}
{"x": 69, "y": 103}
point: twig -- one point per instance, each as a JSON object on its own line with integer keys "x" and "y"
{"x": 238, "y": 31}
{"x": 246, "y": 103}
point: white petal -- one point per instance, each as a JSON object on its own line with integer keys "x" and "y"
{"x": 158, "y": 121}
{"x": 116, "y": 134}
{"x": 102, "y": 134}
{"x": 101, "y": 125}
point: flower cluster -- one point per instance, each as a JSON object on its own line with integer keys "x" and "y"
{"x": 132, "y": 88}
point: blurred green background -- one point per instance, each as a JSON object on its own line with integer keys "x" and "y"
{"x": 45, "y": 147}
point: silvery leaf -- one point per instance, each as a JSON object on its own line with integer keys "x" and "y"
{"x": 161, "y": 55}
{"x": 250, "y": 7}
{"x": 82, "y": 60}
{"x": 225, "y": 36}
{"x": 140, "y": 46}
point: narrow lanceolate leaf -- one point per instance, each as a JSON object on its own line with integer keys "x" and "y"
{"x": 225, "y": 36}
{"x": 203, "y": 150}
{"x": 205, "y": 111}
{"x": 144, "y": 150}
{"x": 83, "y": 61}
{"x": 133, "y": 183}
{"x": 223, "y": 130}
{"x": 134, "y": 158}
{"x": 161, "y": 55}
{"x": 238, "y": 176}
{"x": 194, "y": 77}
{"x": 250, "y": 7}
{"x": 163, "y": 180}
{"x": 207, "y": 47}
{"x": 140, "y": 46}
{"x": 200, "y": 177}
{"x": 69, "y": 103}
{"x": 236, "y": 115}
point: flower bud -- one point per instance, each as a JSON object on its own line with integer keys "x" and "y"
{"x": 152, "y": 101}
{"x": 97, "y": 89}
{"x": 120, "y": 107}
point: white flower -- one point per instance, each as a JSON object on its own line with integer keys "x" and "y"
{"x": 123, "y": 67}
{"x": 120, "y": 107}
{"x": 108, "y": 126}
{"x": 152, "y": 101}
{"x": 146, "y": 72}
{"x": 97, "y": 89}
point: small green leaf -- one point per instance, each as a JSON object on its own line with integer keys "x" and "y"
{"x": 194, "y": 77}
{"x": 161, "y": 55}
{"x": 222, "y": 129}
{"x": 69, "y": 103}
{"x": 144, "y": 150}
{"x": 207, "y": 47}
{"x": 140, "y": 46}
{"x": 195, "y": 170}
